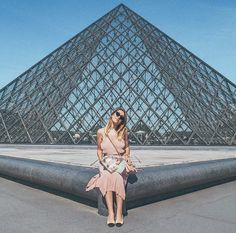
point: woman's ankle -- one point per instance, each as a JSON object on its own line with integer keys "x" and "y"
{"x": 111, "y": 214}
{"x": 119, "y": 215}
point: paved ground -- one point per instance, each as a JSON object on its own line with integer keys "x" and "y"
{"x": 28, "y": 210}
{"x": 149, "y": 156}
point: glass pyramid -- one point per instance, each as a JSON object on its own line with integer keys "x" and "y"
{"x": 172, "y": 97}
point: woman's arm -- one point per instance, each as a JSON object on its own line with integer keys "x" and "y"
{"x": 127, "y": 149}
{"x": 99, "y": 149}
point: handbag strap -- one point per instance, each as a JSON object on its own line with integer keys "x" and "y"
{"x": 113, "y": 146}
{"x": 112, "y": 143}
{"x": 116, "y": 148}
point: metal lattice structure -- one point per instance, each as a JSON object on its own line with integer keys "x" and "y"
{"x": 171, "y": 96}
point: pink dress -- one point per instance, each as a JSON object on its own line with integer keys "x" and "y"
{"x": 105, "y": 180}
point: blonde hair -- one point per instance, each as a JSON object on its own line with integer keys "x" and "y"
{"x": 121, "y": 127}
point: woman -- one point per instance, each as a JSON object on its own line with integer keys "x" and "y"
{"x": 113, "y": 135}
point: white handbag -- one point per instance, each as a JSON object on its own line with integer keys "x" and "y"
{"x": 114, "y": 163}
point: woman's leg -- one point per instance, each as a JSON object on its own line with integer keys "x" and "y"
{"x": 109, "y": 201}
{"x": 119, "y": 208}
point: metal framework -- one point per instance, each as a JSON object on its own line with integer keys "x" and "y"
{"x": 172, "y": 97}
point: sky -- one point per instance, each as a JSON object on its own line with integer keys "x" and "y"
{"x": 30, "y": 30}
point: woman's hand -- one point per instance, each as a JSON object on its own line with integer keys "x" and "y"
{"x": 128, "y": 160}
{"x": 100, "y": 157}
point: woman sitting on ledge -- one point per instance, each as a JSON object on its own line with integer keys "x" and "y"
{"x": 112, "y": 140}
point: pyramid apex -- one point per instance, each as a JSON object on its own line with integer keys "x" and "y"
{"x": 121, "y": 5}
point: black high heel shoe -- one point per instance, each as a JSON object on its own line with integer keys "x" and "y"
{"x": 119, "y": 224}
{"x": 110, "y": 224}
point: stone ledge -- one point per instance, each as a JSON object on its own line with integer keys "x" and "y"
{"x": 153, "y": 183}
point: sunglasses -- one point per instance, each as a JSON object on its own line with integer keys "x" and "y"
{"x": 120, "y": 116}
